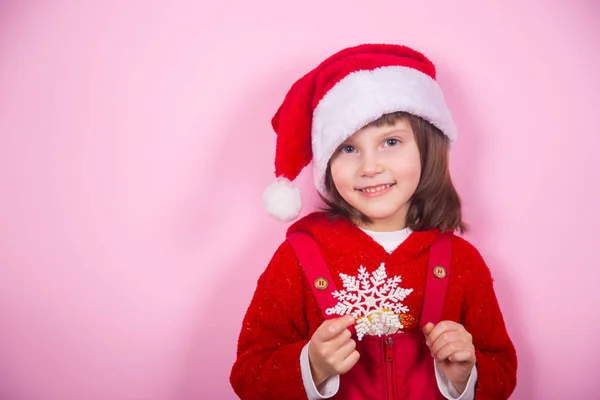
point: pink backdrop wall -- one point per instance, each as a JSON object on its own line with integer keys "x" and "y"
{"x": 135, "y": 144}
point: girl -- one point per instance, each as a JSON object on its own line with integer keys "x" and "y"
{"x": 374, "y": 298}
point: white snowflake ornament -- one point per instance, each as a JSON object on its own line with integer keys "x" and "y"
{"x": 373, "y": 299}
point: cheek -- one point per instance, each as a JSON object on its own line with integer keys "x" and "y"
{"x": 340, "y": 174}
{"x": 416, "y": 172}
{"x": 414, "y": 178}
{"x": 409, "y": 169}
{"x": 413, "y": 165}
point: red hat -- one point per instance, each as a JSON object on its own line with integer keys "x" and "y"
{"x": 344, "y": 93}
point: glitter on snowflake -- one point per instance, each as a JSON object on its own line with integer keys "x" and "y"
{"x": 373, "y": 299}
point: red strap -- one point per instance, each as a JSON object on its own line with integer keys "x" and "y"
{"x": 314, "y": 267}
{"x": 440, "y": 256}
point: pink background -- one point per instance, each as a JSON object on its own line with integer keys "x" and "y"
{"x": 135, "y": 144}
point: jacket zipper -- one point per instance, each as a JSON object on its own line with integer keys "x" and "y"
{"x": 389, "y": 359}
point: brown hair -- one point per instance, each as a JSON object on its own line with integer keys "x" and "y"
{"x": 435, "y": 203}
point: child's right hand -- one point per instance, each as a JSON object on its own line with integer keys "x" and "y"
{"x": 332, "y": 351}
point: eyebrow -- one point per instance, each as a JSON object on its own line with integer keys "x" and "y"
{"x": 395, "y": 130}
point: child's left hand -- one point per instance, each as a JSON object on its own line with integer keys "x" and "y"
{"x": 452, "y": 346}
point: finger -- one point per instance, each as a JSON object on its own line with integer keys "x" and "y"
{"x": 442, "y": 354}
{"x": 336, "y": 342}
{"x": 337, "y": 325}
{"x": 333, "y": 327}
{"x": 462, "y": 356}
{"x": 338, "y": 359}
{"x": 428, "y": 328}
{"x": 451, "y": 348}
{"x": 341, "y": 339}
{"x": 325, "y": 355}
{"x": 347, "y": 348}
{"x": 440, "y": 328}
{"x": 349, "y": 362}
{"x": 444, "y": 339}
{"x": 327, "y": 350}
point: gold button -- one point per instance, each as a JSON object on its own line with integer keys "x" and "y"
{"x": 321, "y": 283}
{"x": 439, "y": 272}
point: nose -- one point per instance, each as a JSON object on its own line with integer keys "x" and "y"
{"x": 371, "y": 165}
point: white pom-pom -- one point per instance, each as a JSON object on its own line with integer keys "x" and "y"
{"x": 282, "y": 200}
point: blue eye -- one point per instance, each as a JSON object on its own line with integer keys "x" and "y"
{"x": 347, "y": 149}
{"x": 392, "y": 142}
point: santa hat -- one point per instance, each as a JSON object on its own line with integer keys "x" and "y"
{"x": 344, "y": 93}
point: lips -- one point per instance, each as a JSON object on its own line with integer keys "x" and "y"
{"x": 377, "y": 188}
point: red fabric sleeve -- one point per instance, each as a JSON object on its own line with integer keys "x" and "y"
{"x": 482, "y": 318}
{"x": 273, "y": 333}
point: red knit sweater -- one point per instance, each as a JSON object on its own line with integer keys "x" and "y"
{"x": 284, "y": 313}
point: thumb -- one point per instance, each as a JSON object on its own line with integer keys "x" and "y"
{"x": 337, "y": 325}
{"x": 428, "y": 328}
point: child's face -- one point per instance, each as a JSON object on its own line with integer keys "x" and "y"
{"x": 376, "y": 171}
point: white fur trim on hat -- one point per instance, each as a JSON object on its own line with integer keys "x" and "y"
{"x": 282, "y": 200}
{"x": 363, "y": 96}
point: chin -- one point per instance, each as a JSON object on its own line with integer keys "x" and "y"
{"x": 380, "y": 216}
{"x": 377, "y": 214}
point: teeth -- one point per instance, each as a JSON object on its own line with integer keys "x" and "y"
{"x": 376, "y": 189}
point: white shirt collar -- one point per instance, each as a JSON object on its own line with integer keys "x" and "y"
{"x": 389, "y": 240}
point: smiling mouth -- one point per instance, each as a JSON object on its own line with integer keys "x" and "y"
{"x": 375, "y": 189}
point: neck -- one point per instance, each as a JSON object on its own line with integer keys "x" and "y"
{"x": 382, "y": 226}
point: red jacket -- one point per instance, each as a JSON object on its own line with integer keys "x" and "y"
{"x": 284, "y": 314}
